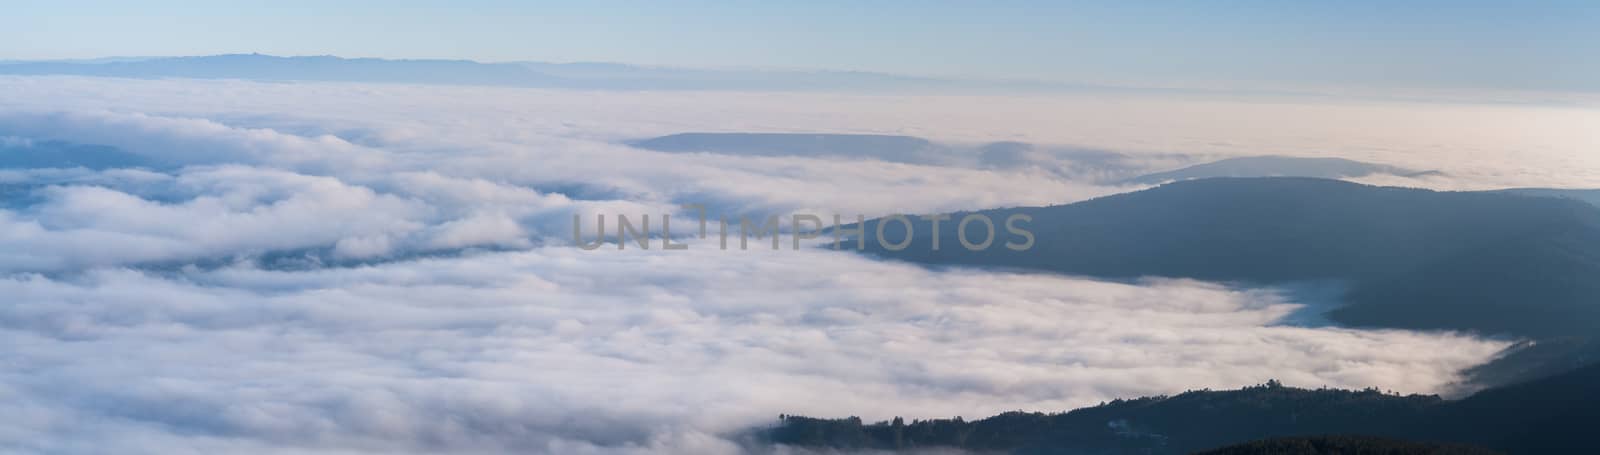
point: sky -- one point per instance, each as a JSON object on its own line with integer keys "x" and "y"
{"x": 1422, "y": 44}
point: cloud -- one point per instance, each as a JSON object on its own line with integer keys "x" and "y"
{"x": 1482, "y": 145}
{"x": 551, "y": 347}
{"x": 385, "y": 268}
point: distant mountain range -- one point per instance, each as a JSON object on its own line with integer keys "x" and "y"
{"x": 1102, "y": 166}
{"x": 605, "y": 76}
{"x": 1553, "y": 415}
{"x": 1073, "y": 163}
{"x": 892, "y": 148}
{"x": 319, "y": 68}
{"x": 1276, "y": 166}
{"x": 1489, "y": 262}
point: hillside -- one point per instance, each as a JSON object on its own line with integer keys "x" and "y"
{"x": 877, "y": 146}
{"x": 1345, "y": 445}
{"x": 1546, "y": 416}
{"x": 1487, "y": 262}
{"x": 1272, "y": 166}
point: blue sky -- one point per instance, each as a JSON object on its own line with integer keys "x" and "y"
{"x": 1425, "y": 44}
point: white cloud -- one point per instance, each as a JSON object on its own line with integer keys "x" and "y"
{"x": 1483, "y": 145}
{"x": 453, "y": 318}
{"x": 538, "y": 349}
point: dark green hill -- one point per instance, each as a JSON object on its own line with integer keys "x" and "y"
{"x": 1489, "y": 262}
{"x": 1345, "y": 445}
{"x": 1553, "y": 415}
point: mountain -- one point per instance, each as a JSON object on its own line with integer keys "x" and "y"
{"x": 876, "y": 146}
{"x": 634, "y": 77}
{"x": 1273, "y": 166}
{"x": 1531, "y": 359}
{"x": 315, "y": 68}
{"x": 1067, "y": 162}
{"x": 582, "y": 75}
{"x": 1481, "y": 261}
{"x": 1553, "y": 415}
{"x": 1341, "y": 445}
{"x": 1550, "y": 415}
{"x": 1588, "y": 196}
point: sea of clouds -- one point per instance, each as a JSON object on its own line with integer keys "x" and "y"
{"x": 387, "y": 268}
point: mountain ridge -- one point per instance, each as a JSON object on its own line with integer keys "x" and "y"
{"x": 1408, "y": 254}
{"x": 1550, "y": 415}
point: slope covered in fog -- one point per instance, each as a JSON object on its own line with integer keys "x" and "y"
{"x": 1063, "y": 162}
{"x": 1068, "y": 162}
{"x": 1496, "y": 263}
{"x": 877, "y": 146}
{"x": 1273, "y": 166}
